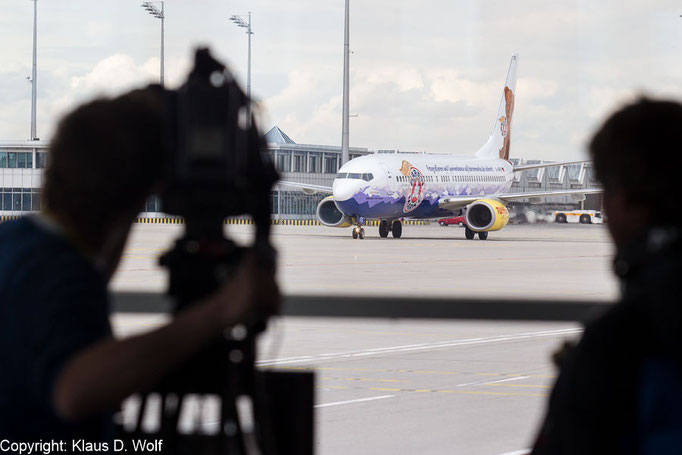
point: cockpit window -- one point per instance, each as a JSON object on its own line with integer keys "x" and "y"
{"x": 352, "y": 175}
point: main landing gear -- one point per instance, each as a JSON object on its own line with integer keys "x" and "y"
{"x": 383, "y": 228}
{"x": 396, "y": 228}
{"x": 469, "y": 234}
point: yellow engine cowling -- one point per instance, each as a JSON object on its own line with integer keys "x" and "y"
{"x": 487, "y": 215}
{"x": 330, "y": 215}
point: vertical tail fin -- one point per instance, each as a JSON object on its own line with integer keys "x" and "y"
{"x": 497, "y": 145}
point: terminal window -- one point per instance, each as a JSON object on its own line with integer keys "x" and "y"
{"x": 14, "y": 160}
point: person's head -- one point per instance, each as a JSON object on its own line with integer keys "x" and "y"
{"x": 104, "y": 161}
{"x": 637, "y": 159}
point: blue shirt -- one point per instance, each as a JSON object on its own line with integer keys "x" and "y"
{"x": 53, "y": 304}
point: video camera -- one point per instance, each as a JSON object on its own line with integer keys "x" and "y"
{"x": 216, "y": 166}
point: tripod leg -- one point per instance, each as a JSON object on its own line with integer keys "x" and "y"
{"x": 230, "y": 436}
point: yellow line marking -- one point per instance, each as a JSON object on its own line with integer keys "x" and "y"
{"x": 509, "y": 394}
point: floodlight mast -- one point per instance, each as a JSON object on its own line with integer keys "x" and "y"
{"x": 159, "y": 14}
{"x": 239, "y": 22}
{"x": 346, "y": 80}
{"x": 34, "y": 73}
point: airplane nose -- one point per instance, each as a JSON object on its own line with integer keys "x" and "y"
{"x": 344, "y": 189}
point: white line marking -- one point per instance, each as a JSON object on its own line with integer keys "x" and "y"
{"x": 517, "y": 452}
{"x": 353, "y": 401}
{"x": 507, "y": 380}
{"x": 416, "y": 347}
{"x": 515, "y": 378}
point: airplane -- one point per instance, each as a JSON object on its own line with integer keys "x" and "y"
{"x": 390, "y": 187}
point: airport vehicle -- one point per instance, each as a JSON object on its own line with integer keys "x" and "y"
{"x": 458, "y": 220}
{"x": 391, "y": 186}
{"x": 578, "y": 216}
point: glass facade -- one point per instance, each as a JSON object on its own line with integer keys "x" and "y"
{"x": 16, "y": 160}
{"x": 316, "y": 165}
{"x": 295, "y": 203}
{"x": 299, "y": 162}
{"x": 283, "y": 161}
{"x": 330, "y": 166}
{"x": 20, "y": 199}
{"x": 41, "y": 160}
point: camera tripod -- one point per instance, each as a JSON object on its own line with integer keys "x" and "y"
{"x": 250, "y": 402}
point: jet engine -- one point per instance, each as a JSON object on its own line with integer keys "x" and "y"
{"x": 486, "y": 215}
{"x": 330, "y": 215}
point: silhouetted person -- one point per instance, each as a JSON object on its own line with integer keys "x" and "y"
{"x": 620, "y": 389}
{"x": 62, "y": 373}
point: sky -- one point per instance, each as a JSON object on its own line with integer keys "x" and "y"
{"x": 424, "y": 75}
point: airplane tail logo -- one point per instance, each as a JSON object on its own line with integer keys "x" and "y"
{"x": 505, "y": 122}
{"x": 499, "y": 141}
{"x": 415, "y": 194}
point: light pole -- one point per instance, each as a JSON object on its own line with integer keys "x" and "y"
{"x": 239, "y": 21}
{"x": 159, "y": 14}
{"x": 346, "y": 79}
{"x": 34, "y": 73}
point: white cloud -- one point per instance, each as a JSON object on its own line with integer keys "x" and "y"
{"x": 112, "y": 75}
{"x": 425, "y": 79}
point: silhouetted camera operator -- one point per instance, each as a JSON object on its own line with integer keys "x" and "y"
{"x": 63, "y": 373}
{"x": 620, "y": 389}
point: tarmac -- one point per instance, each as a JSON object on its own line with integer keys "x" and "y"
{"x": 389, "y": 386}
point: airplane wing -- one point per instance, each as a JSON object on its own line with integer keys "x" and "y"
{"x": 528, "y": 167}
{"x": 458, "y": 202}
{"x": 307, "y": 187}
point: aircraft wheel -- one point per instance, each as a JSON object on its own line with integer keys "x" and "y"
{"x": 383, "y": 228}
{"x": 469, "y": 234}
{"x": 355, "y": 234}
{"x": 397, "y": 229}
{"x": 482, "y": 235}
{"x": 361, "y": 234}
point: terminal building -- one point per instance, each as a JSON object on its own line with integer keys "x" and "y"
{"x": 22, "y": 164}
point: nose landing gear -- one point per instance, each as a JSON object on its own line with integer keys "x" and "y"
{"x": 469, "y": 234}
{"x": 358, "y": 232}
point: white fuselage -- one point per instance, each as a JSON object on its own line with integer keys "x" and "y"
{"x": 409, "y": 185}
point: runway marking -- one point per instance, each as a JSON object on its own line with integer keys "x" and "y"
{"x": 517, "y": 452}
{"x": 538, "y": 386}
{"x": 395, "y": 370}
{"x": 459, "y": 392}
{"x": 360, "y": 400}
{"x": 445, "y": 261}
{"x": 507, "y": 380}
{"x": 515, "y": 378}
{"x": 451, "y": 392}
{"x": 364, "y": 379}
{"x": 416, "y": 347}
